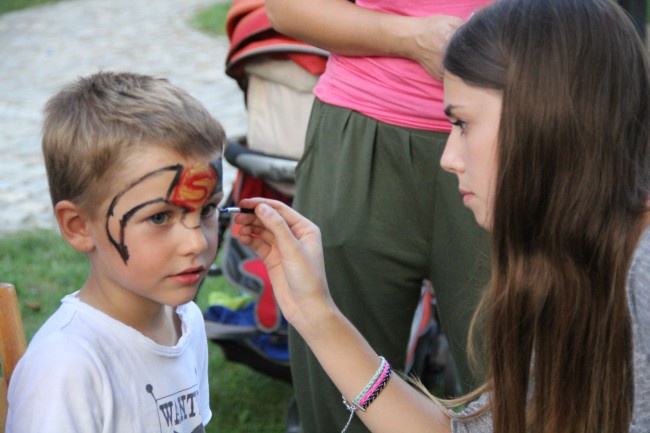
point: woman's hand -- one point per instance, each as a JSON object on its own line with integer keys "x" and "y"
{"x": 290, "y": 246}
{"x": 426, "y": 40}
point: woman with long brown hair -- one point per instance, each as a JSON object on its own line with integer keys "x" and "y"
{"x": 550, "y": 106}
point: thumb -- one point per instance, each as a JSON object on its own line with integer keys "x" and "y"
{"x": 285, "y": 240}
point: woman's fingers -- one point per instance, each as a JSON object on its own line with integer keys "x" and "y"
{"x": 289, "y": 215}
{"x": 292, "y": 225}
{"x": 256, "y": 231}
{"x": 267, "y": 230}
{"x": 276, "y": 225}
{"x": 296, "y": 239}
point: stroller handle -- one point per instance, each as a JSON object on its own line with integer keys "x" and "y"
{"x": 260, "y": 165}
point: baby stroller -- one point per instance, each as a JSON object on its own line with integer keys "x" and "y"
{"x": 276, "y": 74}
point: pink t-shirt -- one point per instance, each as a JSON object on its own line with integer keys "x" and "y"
{"x": 390, "y": 89}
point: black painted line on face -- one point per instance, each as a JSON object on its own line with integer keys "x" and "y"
{"x": 120, "y": 245}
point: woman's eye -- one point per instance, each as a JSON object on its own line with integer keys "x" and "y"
{"x": 208, "y": 210}
{"x": 159, "y": 218}
{"x": 460, "y": 123}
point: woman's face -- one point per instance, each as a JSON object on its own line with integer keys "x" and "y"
{"x": 470, "y": 153}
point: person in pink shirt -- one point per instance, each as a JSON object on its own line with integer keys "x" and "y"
{"x": 370, "y": 178}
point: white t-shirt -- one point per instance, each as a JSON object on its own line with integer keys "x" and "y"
{"x": 85, "y": 372}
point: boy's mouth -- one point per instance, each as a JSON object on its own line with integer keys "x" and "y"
{"x": 190, "y": 275}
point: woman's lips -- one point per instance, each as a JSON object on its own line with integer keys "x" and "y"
{"x": 467, "y": 196}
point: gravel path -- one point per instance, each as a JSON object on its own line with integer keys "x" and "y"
{"x": 44, "y": 47}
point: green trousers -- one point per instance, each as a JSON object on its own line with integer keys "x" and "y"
{"x": 389, "y": 217}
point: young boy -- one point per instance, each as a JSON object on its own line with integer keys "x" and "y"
{"x": 133, "y": 165}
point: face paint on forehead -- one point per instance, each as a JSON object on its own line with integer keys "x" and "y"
{"x": 194, "y": 186}
{"x": 190, "y": 188}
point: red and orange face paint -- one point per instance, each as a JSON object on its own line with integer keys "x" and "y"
{"x": 190, "y": 189}
{"x": 195, "y": 186}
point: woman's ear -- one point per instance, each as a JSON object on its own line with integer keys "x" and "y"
{"x": 73, "y": 224}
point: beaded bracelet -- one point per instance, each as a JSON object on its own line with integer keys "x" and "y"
{"x": 370, "y": 392}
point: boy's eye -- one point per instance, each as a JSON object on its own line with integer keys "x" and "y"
{"x": 209, "y": 210}
{"x": 159, "y": 218}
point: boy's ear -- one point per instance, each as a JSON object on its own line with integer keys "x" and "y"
{"x": 73, "y": 224}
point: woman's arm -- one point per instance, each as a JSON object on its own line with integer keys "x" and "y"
{"x": 291, "y": 248}
{"x": 342, "y": 27}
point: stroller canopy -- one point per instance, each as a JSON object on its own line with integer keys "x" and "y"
{"x": 251, "y": 35}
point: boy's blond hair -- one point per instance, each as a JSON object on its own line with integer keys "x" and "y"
{"x": 94, "y": 124}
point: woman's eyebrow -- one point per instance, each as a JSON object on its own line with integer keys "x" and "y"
{"x": 449, "y": 110}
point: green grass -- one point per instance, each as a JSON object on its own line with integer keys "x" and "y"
{"x": 14, "y": 5}
{"x": 44, "y": 269}
{"x": 211, "y": 19}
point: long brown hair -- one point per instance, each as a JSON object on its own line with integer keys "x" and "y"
{"x": 573, "y": 179}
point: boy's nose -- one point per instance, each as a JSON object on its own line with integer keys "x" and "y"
{"x": 191, "y": 220}
{"x": 194, "y": 238}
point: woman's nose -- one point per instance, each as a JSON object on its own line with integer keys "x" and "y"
{"x": 451, "y": 159}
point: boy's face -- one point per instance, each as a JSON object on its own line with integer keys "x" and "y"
{"x": 156, "y": 233}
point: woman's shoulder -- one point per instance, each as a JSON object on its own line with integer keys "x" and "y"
{"x": 639, "y": 274}
{"x": 638, "y": 292}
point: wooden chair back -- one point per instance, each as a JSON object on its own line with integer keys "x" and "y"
{"x": 12, "y": 343}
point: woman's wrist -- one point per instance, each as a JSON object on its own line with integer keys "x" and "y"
{"x": 398, "y": 37}
{"x": 318, "y": 322}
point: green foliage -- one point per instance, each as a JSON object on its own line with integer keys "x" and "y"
{"x": 14, "y": 5}
{"x": 212, "y": 19}
{"x": 44, "y": 269}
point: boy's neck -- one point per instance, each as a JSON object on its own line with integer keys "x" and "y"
{"x": 158, "y": 322}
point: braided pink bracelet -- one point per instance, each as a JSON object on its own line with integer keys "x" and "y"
{"x": 370, "y": 392}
